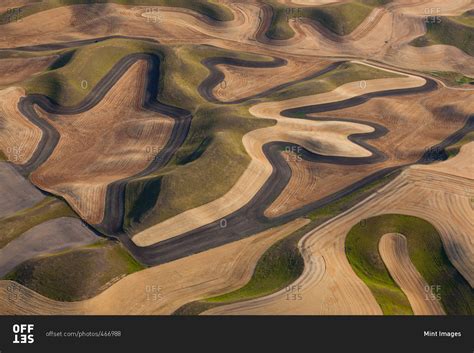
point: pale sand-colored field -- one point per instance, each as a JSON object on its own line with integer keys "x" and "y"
{"x": 398, "y": 29}
{"x": 241, "y": 82}
{"x": 19, "y": 69}
{"x": 414, "y": 126}
{"x": 384, "y": 35}
{"x": 18, "y": 136}
{"x": 312, "y": 181}
{"x": 323, "y": 137}
{"x": 16, "y": 192}
{"x": 394, "y": 253}
{"x": 328, "y": 283}
{"x": 115, "y": 139}
{"x": 423, "y": 8}
{"x": 161, "y": 289}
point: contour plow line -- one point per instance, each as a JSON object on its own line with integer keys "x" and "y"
{"x": 443, "y": 199}
{"x": 192, "y": 278}
{"x": 326, "y": 138}
{"x": 98, "y": 168}
{"x": 394, "y": 253}
{"x": 385, "y": 35}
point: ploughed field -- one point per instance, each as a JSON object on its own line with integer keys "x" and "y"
{"x": 271, "y": 157}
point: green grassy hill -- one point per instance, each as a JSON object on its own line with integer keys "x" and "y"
{"x": 76, "y": 274}
{"x": 341, "y": 19}
{"x": 213, "y": 153}
{"x": 19, "y": 222}
{"x": 456, "y": 31}
{"x": 426, "y": 253}
{"x": 208, "y": 8}
{"x": 282, "y": 263}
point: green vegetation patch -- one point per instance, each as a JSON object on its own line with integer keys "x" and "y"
{"x": 207, "y": 8}
{"x": 212, "y": 153}
{"x": 340, "y": 19}
{"x": 185, "y": 184}
{"x": 45, "y": 210}
{"x": 426, "y": 253}
{"x": 282, "y": 263}
{"x": 76, "y": 274}
{"x": 455, "y": 31}
{"x": 454, "y": 149}
{"x": 279, "y": 266}
{"x": 453, "y": 78}
{"x": 77, "y": 71}
{"x": 344, "y": 73}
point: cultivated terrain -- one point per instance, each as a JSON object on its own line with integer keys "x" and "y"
{"x": 237, "y": 157}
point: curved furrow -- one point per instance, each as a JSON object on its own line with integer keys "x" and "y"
{"x": 249, "y": 217}
{"x": 114, "y": 209}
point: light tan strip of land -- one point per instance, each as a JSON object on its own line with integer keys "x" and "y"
{"x": 332, "y": 287}
{"x": 323, "y": 137}
{"x": 422, "y": 8}
{"x": 115, "y": 139}
{"x": 384, "y": 35}
{"x": 413, "y": 122}
{"x": 394, "y": 253}
{"x": 161, "y": 289}
{"x": 18, "y": 136}
{"x": 241, "y": 82}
